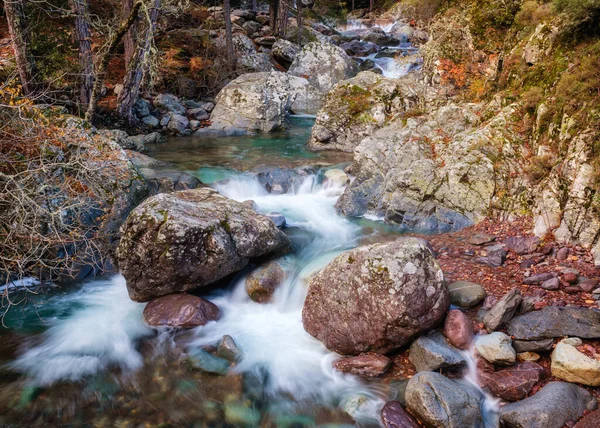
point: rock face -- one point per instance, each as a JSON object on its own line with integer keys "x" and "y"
{"x": 324, "y": 65}
{"x": 364, "y": 365}
{"x": 188, "y": 239}
{"x": 551, "y": 407}
{"x": 458, "y": 329}
{"x": 466, "y": 294}
{"x": 261, "y": 102}
{"x": 574, "y": 366}
{"x": 284, "y": 52}
{"x": 262, "y": 283}
{"x": 414, "y": 176}
{"x": 357, "y": 107}
{"x": 496, "y": 348}
{"x": 444, "y": 403}
{"x": 180, "y": 310}
{"x": 376, "y": 298}
{"x": 432, "y": 353}
{"x": 554, "y": 321}
{"x": 393, "y": 415}
{"x": 513, "y": 383}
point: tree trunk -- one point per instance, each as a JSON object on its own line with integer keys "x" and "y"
{"x": 352, "y": 4}
{"x": 138, "y": 67}
{"x": 86, "y": 60}
{"x": 113, "y": 43}
{"x": 17, "y": 26}
{"x": 129, "y": 40}
{"x": 282, "y": 18}
{"x": 254, "y": 6}
{"x": 228, "y": 33}
{"x": 273, "y": 6}
{"x": 299, "y": 20}
{"x": 371, "y": 5}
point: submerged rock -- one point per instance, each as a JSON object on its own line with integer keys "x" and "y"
{"x": 376, "y": 298}
{"x": 433, "y": 353}
{"x": 209, "y": 363}
{"x": 364, "y": 365}
{"x": 573, "y": 366}
{"x": 551, "y": 407}
{"x": 180, "y": 310}
{"x": 262, "y": 283}
{"x": 188, "y": 239}
{"x": 444, "y": 403}
{"x": 553, "y": 321}
{"x": 324, "y": 65}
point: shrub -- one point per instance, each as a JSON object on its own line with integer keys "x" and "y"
{"x": 531, "y": 98}
{"x": 582, "y": 14}
{"x": 532, "y": 13}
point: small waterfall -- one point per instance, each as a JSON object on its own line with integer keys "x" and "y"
{"x": 489, "y": 405}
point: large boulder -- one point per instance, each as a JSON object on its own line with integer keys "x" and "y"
{"x": 551, "y": 407}
{"x": 357, "y": 107}
{"x": 444, "y": 403}
{"x": 284, "y": 52}
{"x": 323, "y": 65}
{"x": 432, "y": 172}
{"x": 261, "y": 102}
{"x": 376, "y": 298}
{"x": 188, "y": 239}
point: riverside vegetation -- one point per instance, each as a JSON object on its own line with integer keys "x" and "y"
{"x": 300, "y": 214}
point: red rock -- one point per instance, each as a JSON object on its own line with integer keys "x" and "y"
{"x": 591, "y": 420}
{"x": 570, "y": 277}
{"x": 393, "y": 415}
{"x": 522, "y": 244}
{"x": 364, "y": 365}
{"x": 588, "y": 285}
{"x": 180, "y": 310}
{"x": 514, "y": 383}
{"x": 458, "y": 329}
{"x": 562, "y": 254}
{"x": 572, "y": 290}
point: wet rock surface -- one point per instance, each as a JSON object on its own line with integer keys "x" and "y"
{"x": 360, "y": 302}
{"x": 262, "y": 283}
{"x": 458, "y": 328}
{"x": 364, "y": 365}
{"x": 433, "y": 353}
{"x": 513, "y": 383}
{"x": 393, "y": 415}
{"x": 180, "y": 310}
{"x": 188, "y": 239}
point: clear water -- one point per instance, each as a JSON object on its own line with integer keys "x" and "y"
{"x": 82, "y": 353}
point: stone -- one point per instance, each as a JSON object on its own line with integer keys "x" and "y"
{"x": 178, "y": 123}
{"x": 261, "y": 103}
{"x": 562, "y": 254}
{"x": 554, "y": 321}
{"x": 496, "y": 348}
{"x": 169, "y": 103}
{"x": 180, "y": 310}
{"x": 503, "y": 311}
{"x": 285, "y": 52}
{"x": 465, "y": 294}
{"x": 444, "y": 403}
{"x": 528, "y": 356}
{"x": 280, "y": 180}
{"x": 522, "y": 244}
{"x": 359, "y": 48}
{"x": 569, "y": 364}
{"x": 228, "y": 349}
{"x": 150, "y": 121}
{"x": 570, "y": 277}
{"x": 209, "y": 363}
{"x": 251, "y": 27}
{"x": 364, "y": 365}
{"x": 141, "y": 108}
{"x": 198, "y": 113}
{"x": 551, "y": 284}
{"x": 161, "y": 177}
{"x": 495, "y": 257}
{"x": 458, "y": 329}
{"x": 481, "y": 239}
{"x": 538, "y": 278}
{"x": 277, "y": 218}
{"x": 433, "y": 353}
{"x": 393, "y": 415}
{"x": 587, "y": 285}
{"x": 262, "y": 283}
{"x": 178, "y": 241}
{"x": 360, "y": 302}
{"x": 550, "y": 407}
{"x": 591, "y": 420}
{"x": 240, "y": 415}
{"x": 513, "y": 383}
{"x": 335, "y": 178}
{"x": 324, "y": 65}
